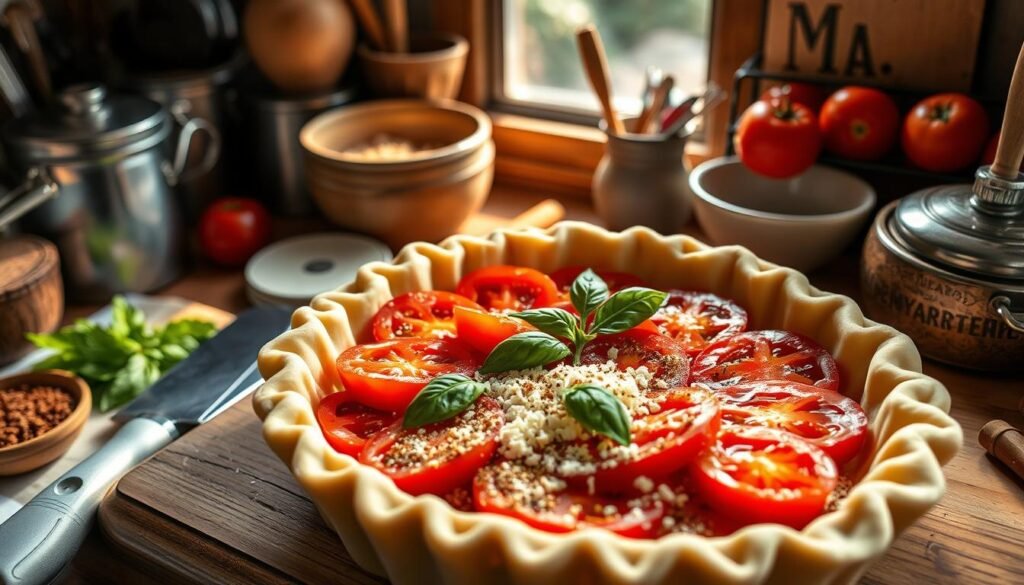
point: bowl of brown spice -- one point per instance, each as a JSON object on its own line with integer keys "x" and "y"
{"x": 41, "y": 414}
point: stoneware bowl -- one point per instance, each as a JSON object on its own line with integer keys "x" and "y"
{"x": 422, "y": 540}
{"x": 43, "y": 449}
{"x": 432, "y": 68}
{"x": 425, "y": 196}
{"x": 802, "y": 222}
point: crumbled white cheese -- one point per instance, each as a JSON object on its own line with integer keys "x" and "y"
{"x": 536, "y": 421}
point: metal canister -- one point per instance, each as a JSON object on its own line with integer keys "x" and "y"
{"x": 273, "y": 122}
{"x": 101, "y": 180}
{"x": 202, "y": 97}
{"x": 946, "y": 266}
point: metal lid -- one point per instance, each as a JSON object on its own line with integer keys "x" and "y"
{"x": 978, "y": 230}
{"x": 86, "y": 122}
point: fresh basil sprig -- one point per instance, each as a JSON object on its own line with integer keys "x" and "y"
{"x": 626, "y": 309}
{"x": 523, "y": 351}
{"x": 598, "y": 410}
{"x": 558, "y": 328}
{"x": 441, "y": 399}
{"x": 587, "y": 292}
{"x": 556, "y": 322}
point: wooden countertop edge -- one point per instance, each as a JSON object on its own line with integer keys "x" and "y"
{"x": 119, "y": 512}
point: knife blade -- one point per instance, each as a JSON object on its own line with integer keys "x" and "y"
{"x": 39, "y": 540}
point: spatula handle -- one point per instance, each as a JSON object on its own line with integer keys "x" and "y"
{"x": 1011, "y": 137}
{"x": 42, "y": 538}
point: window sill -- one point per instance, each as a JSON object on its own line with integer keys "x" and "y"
{"x": 557, "y": 157}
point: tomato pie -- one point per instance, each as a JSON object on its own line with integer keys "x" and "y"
{"x": 551, "y": 407}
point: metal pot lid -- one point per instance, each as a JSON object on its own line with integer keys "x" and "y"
{"x": 977, "y": 230}
{"x": 86, "y": 121}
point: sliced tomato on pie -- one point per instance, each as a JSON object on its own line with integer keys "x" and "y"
{"x": 441, "y": 457}
{"x": 765, "y": 355}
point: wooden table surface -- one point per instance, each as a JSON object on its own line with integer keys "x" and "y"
{"x": 974, "y": 535}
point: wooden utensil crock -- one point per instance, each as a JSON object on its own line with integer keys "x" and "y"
{"x": 300, "y": 45}
{"x": 432, "y": 69}
{"x": 31, "y": 293}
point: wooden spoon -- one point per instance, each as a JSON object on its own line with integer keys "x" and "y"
{"x": 596, "y": 65}
{"x": 398, "y": 25}
{"x": 1010, "y": 149}
{"x": 652, "y": 113}
{"x": 370, "y": 23}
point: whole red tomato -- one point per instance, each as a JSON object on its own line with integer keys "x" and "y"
{"x": 805, "y": 94}
{"x": 859, "y": 123}
{"x": 945, "y": 132}
{"x": 777, "y": 138}
{"x": 233, "y": 229}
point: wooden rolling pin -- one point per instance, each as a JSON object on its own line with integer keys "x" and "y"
{"x": 541, "y": 215}
{"x": 1004, "y": 442}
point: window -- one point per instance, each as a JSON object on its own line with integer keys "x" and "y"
{"x": 538, "y": 66}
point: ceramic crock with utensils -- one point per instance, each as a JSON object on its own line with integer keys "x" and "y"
{"x": 946, "y": 265}
{"x": 97, "y": 166}
{"x": 641, "y": 180}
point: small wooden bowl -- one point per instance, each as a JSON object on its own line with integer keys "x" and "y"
{"x": 432, "y": 69}
{"x": 35, "y": 453}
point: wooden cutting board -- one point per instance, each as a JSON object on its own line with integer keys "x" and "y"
{"x": 218, "y": 507}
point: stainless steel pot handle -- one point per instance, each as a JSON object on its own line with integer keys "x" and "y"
{"x": 37, "y": 189}
{"x": 177, "y": 173}
{"x": 1014, "y": 321}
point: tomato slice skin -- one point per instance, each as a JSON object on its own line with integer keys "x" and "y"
{"x": 387, "y": 375}
{"x": 664, "y": 357}
{"x": 508, "y": 288}
{"x": 616, "y": 281}
{"x": 667, "y": 441}
{"x": 423, "y": 314}
{"x": 759, "y": 474}
{"x": 765, "y": 355}
{"x": 441, "y": 458}
{"x": 348, "y": 424}
{"x": 828, "y": 420}
{"x": 697, "y": 319}
{"x": 563, "y": 509}
{"x": 482, "y": 330}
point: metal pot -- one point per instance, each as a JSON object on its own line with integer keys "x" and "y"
{"x": 946, "y": 266}
{"x": 99, "y": 170}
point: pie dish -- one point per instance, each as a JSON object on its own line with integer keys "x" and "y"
{"x": 424, "y": 540}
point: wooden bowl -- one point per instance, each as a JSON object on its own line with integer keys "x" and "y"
{"x": 425, "y": 196}
{"x": 432, "y": 68}
{"x": 31, "y": 293}
{"x": 35, "y": 453}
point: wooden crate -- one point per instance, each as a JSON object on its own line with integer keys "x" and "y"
{"x": 912, "y": 44}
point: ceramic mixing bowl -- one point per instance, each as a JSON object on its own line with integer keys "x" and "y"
{"x": 802, "y": 222}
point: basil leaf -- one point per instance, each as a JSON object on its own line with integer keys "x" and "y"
{"x": 523, "y": 351}
{"x": 598, "y": 410}
{"x": 627, "y": 309}
{"x": 557, "y": 322}
{"x": 587, "y": 292}
{"x": 444, "y": 397}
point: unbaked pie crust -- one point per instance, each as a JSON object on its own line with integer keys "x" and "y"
{"x": 423, "y": 540}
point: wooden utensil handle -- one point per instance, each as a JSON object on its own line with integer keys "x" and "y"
{"x": 368, "y": 19}
{"x": 653, "y": 111}
{"x": 397, "y": 17}
{"x": 595, "y": 63}
{"x": 1004, "y": 442}
{"x": 1011, "y": 138}
{"x": 543, "y": 214}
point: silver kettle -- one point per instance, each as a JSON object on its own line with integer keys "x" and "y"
{"x": 100, "y": 176}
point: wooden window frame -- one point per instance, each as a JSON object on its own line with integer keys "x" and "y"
{"x": 557, "y": 157}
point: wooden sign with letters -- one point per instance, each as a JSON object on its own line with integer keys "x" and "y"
{"x": 912, "y": 44}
